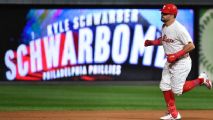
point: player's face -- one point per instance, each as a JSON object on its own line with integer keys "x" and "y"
{"x": 165, "y": 17}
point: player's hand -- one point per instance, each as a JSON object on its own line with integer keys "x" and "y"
{"x": 148, "y": 43}
{"x": 171, "y": 58}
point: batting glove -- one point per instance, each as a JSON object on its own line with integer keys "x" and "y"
{"x": 171, "y": 58}
{"x": 152, "y": 42}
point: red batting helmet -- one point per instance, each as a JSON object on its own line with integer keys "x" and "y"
{"x": 169, "y": 9}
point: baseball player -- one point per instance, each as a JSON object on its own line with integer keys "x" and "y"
{"x": 177, "y": 44}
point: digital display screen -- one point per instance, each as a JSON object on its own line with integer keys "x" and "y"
{"x": 86, "y": 44}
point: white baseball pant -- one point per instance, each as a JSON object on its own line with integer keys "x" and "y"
{"x": 174, "y": 76}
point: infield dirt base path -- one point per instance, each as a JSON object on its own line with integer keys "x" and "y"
{"x": 103, "y": 115}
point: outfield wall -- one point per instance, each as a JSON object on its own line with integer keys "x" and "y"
{"x": 205, "y": 41}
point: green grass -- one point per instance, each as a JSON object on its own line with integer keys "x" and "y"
{"x": 95, "y": 97}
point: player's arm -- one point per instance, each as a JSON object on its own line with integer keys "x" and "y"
{"x": 153, "y": 42}
{"x": 189, "y": 47}
{"x": 186, "y": 49}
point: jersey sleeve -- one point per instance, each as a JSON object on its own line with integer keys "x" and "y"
{"x": 184, "y": 36}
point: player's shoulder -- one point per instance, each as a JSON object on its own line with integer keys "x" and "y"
{"x": 178, "y": 24}
{"x": 179, "y": 27}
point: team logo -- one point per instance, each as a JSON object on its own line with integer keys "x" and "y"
{"x": 167, "y": 40}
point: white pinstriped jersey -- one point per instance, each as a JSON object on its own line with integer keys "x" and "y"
{"x": 174, "y": 37}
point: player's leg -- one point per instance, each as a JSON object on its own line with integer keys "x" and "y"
{"x": 165, "y": 86}
{"x": 170, "y": 104}
{"x": 177, "y": 82}
{"x": 179, "y": 72}
{"x": 171, "y": 107}
{"x": 201, "y": 80}
{"x": 206, "y": 81}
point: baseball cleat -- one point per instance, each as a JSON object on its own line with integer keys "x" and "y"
{"x": 169, "y": 117}
{"x": 206, "y": 81}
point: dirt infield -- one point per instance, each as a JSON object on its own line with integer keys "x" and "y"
{"x": 103, "y": 115}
